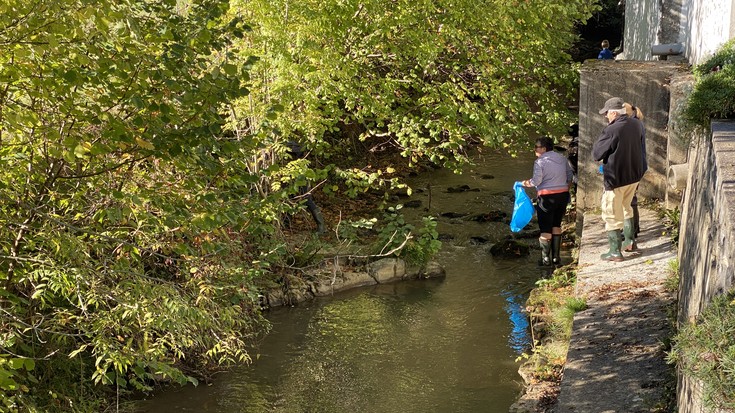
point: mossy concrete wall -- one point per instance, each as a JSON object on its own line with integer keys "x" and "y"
{"x": 706, "y": 243}
{"x": 644, "y": 84}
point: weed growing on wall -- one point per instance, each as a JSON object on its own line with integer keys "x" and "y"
{"x": 713, "y": 96}
{"x": 705, "y": 350}
{"x": 672, "y": 221}
{"x": 551, "y": 307}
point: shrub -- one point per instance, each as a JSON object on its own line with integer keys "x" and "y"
{"x": 398, "y": 237}
{"x": 714, "y": 90}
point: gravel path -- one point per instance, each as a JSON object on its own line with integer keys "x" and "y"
{"x": 616, "y": 354}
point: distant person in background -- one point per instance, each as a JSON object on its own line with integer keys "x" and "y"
{"x": 552, "y": 177}
{"x": 635, "y": 112}
{"x": 573, "y": 152}
{"x": 297, "y": 151}
{"x": 605, "y": 53}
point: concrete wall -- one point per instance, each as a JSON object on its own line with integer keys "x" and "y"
{"x": 709, "y": 24}
{"x": 644, "y": 84}
{"x": 642, "y": 18}
{"x": 702, "y": 26}
{"x": 706, "y": 249}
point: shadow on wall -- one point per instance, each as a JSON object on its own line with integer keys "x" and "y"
{"x": 641, "y": 27}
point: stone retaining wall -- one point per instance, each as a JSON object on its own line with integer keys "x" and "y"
{"x": 706, "y": 243}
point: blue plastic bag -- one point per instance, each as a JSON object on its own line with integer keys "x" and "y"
{"x": 522, "y": 210}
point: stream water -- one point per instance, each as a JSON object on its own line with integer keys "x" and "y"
{"x": 420, "y": 346}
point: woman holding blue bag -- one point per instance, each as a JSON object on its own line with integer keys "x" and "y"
{"x": 552, "y": 177}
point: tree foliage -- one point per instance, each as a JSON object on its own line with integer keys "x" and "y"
{"x": 121, "y": 198}
{"x": 426, "y": 76}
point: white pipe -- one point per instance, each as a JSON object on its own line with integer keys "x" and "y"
{"x": 678, "y": 175}
{"x": 667, "y": 49}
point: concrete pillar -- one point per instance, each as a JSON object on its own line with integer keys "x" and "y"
{"x": 679, "y": 139}
{"x": 643, "y": 84}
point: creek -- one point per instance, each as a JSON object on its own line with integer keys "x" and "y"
{"x": 439, "y": 346}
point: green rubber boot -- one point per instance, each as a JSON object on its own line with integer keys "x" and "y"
{"x": 629, "y": 244}
{"x": 545, "y": 260}
{"x": 556, "y": 249}
{"x": 614, "y": 240}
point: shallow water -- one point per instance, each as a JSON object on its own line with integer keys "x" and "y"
{"x": 419, "y": 346}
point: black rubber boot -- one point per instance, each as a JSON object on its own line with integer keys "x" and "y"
{"x": 614, "y": 239}
{"x": 636, "y": 220}
{"x": 545, "y": 260}
{"x": 629, "y": 244}
{"x": 316, "y": 213}
{"x": 319, "y": 219}
{"x": 556, "y": 249}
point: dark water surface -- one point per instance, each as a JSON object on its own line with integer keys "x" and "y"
{"x": 420, "y": 346}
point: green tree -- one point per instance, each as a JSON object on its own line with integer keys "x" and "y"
{"x": 428, "y": 77}
{"x": 121, "y": 199}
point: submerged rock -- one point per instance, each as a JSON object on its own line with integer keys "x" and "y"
{"x": 509, "y": 249}
{"x": 478, "y": 240}
{"x": 492, "y": 216}
{"x": 445, "y": 237}
{"x": 453, "y": 214}
{"x": 461, "y": 188}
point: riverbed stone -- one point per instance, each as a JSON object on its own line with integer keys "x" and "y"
{"x": 491, "y": 216}
{"x": 326, "y": 283}
{"x": 509, "y": 249}
{"x": 326, "y": 286}
{"x": 433, "y": 269}
{"x": 356, "y": 279}
{"x": 297, "y": 295}
{"x": 387, "y": 270}
{"x": 275, "y": 298}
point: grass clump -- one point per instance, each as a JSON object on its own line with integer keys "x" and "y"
{"x": 551, "y": 307}
{"x": 672, "y": 276}
{"x": 672, "y": 221}
{"x": 705, "y": 350}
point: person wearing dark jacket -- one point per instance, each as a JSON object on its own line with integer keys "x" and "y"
{"x": 619, "y": 147}
{"x": 296, "y": 151}
{"x": 552, "y": 177}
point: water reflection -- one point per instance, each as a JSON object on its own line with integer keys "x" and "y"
{"x": 520, "y": 336}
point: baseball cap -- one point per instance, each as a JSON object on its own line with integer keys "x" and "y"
{"x": 612, "y": 104}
